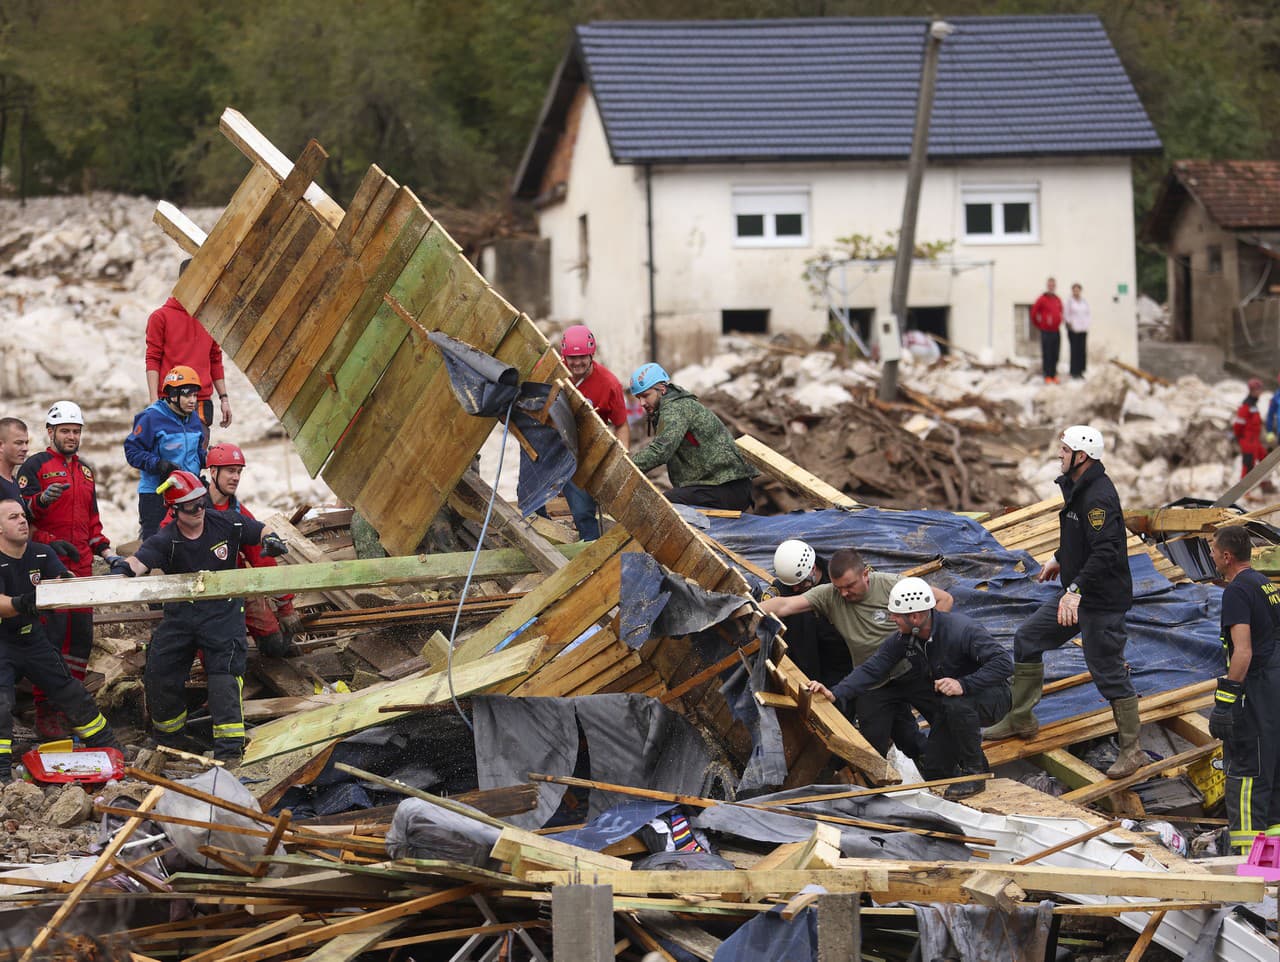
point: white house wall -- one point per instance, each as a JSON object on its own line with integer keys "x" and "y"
{"x": 1086, "y": 234}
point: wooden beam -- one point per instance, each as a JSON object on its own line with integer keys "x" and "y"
{"x": 1251, "y": 480}
{"x": 792, "y": 475}
{"x": 545, "y": 556}
{"x": 1091, "y": 793}
{"x": 868, "y": 877}
{"x": 180, "y": 228}
{"x": 302, "y": 550}
{"x": 1177, "y": 520}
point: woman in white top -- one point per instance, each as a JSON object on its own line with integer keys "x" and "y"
{"x": 1077, "y": 316}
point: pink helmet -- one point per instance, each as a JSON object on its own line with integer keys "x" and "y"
{"x": 578, "y": 341}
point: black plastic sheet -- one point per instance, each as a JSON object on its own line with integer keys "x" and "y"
{"x": 657, "y": 602}
{"x": 977, "y": 933}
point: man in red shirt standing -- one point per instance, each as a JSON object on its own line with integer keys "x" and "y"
{"x": 1247, "y": 427}
{"x": 599, "y": 386}
{"x": 174, "y": 337}
{"x": 1046, "y": 315}
{"x": 60, "y": 492}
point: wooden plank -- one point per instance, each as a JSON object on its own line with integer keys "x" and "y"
{"x": 536, "y": 601}
{"x": 868, "y": 877}
{"x": 250, "y": 141}
{"x": 792, "y": 475}
{"x": 530, "y": 851}
{"x": 369, "y": 311}
{"x": 236, "y": 219}
{"x": 539, "y": 550}
{"x": 1192, "y": 727}
{"x": 1177, "y": 520}
{"x": 344, "y": 948}
{"x": 102, "y": 861}
{"x": 1067, "y": 768}
{"x": 364, "y": 709}
{"x": 1091, "y": 793}
{"x": 179, "y": 228}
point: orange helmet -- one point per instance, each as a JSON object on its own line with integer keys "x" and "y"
{"x": 181, "y": 376}
{"x": 225, "y": 455}
{"x": 181, "y": 487}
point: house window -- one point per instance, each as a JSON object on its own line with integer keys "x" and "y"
{"x": 744, "y": 322}
{"x": 1215, "y": 259}
{"x": 771, "y": 216}
{"x": 1001, "y": 215}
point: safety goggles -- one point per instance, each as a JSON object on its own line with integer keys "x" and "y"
{"x": 189, "y": 507}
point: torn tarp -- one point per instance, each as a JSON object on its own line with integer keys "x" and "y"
{"x": 975, "y": 933}
{"x": 422, "y": 829}
{"x": 771, "y": 938}
{"x": 767, "y": 766}
{"x": 656, "y": 602}
{"x": 486, "y": 387}
{"x": 630, "y": 739}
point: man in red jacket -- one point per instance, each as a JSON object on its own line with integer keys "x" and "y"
{"x": 174, "y": 337}
{"x": 1046, "y": 315}
{"x": 1247, "y": 427}
{"x": 60, "y": 492}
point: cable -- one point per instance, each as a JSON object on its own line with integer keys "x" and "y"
{"x": 475, "y": 557}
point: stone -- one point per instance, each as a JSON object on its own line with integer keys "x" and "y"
{"x": 70, "y": 807}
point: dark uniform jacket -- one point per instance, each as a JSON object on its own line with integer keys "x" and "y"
{"x": 957, "y": 647}
{"x": 20, "y": 576}
{"x": 216, "y": 549}
{"x": 1092, "y": 536}
{"x": 813, "y": 642}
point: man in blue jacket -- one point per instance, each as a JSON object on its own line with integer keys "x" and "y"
{"x": 167, "y": 436}
{"x": 959, "y": 681}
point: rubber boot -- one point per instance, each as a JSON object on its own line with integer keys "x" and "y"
{"x": 968, "y": 789}
{"x": 1128, "y": 725}
{"x": 1028, "y": 686}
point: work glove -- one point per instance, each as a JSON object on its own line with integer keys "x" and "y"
{"x": 1228, "y": 702}
{"x": 119, "y": 566}
{"x": 65, "y": 549}
{"x": 290, "y": 620}
{"x": 165, "y": 468}
{"x": 24, "y": 604}
{"x": 1270, "y": 438}
{"x": 273, "y": 546}
{"x": 52, "y": 493}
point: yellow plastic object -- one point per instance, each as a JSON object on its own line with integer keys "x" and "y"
{"x": 1211, "y": 781}
{"x": 61, "y": 745}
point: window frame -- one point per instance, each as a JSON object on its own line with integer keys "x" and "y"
{"x": 769, "y": 201}
{"x": 998, "y": 195}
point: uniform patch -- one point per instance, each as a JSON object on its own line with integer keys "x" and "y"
{"x": 1097, "y": 516}
{"x": 86, "y": 471}
{"x": 220, "y": 551}
{"x": 24, "y": 481}
{"x": 35, "y": 577}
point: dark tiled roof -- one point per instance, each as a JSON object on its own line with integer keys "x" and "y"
{"x": 847, "y": 88}
{"x": 1238, "y": 194}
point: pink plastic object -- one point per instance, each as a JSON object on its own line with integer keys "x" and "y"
{"x": 1264, "y": 858}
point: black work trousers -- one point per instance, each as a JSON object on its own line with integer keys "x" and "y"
{"x": 885, "y": 718}
{"x": 1050, "y": 349}
{"x": 730, "y": 496}
{"x": 1103, "y": 637}
{"x": 1079, "y": 352}
{"x": 216, "y": 630}
{"x": 1252, "y": 759}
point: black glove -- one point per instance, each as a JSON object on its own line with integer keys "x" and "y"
{"x": 65, "y": 549}
{"x": 165, "y": 468}
{"x": 1228, "y": 702}
{"x": 24, "y": 604}
{"x": 119, "y": 566}
{"x": 52, "y": 493}
{"x": 273, "y": 546}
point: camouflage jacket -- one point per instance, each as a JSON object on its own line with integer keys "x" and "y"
{"x": 693, "y": 443}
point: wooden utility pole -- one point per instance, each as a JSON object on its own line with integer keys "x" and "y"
{"x": 890, "y": 334}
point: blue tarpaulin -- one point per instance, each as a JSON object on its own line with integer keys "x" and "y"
{"x": 1173, "y": 629}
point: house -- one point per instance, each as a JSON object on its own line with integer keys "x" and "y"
{"x": 1219, "y": 223}
{"x": 687, "y": 173}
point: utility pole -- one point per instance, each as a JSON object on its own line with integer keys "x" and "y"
{"x": 890, "y": 336}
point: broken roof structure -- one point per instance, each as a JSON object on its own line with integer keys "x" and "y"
{"x": 382, "y": 351}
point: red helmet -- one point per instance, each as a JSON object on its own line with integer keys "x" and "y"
{"x": 1255, "y": 385}
{"x": 578, "y": 341}
{"x": 181, "y": 487}
{"x": 225, "y": 455}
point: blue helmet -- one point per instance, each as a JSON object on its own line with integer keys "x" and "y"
{"x": 646, "y": 376}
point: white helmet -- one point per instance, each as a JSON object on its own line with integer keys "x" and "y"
{"x": 911, "y": 594}
{"x": 793, "y": 562}
{"x": 1081, "y": 437}
{"x": 64, "y": 412}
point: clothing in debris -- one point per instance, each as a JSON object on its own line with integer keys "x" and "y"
{"x": 215, "y": 628}
{"x": 704, "y": 465}
{"x": 162, "y": 437}
{"x": 1251, "y": 754}
{"x": 955, "y": 647}
{"x": 26, "y": 652}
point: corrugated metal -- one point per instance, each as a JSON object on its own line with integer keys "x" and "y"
{"x": 846, "y": 88}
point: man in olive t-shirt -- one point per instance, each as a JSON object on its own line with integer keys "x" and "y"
{"x": 855, "y": 602}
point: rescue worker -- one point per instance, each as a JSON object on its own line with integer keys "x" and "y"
{"x": 167, "y": 436}
{"x": 1246, "y": 712}
{"x": 602, "y": 388}
{"x": 813, "y": 642}
{"x": 272, "y": 623}
{"x": 61, "y": 495}
{"x": 856, "y": 603}
{"x": 175, "y": 338}
{"x": 959, "y": 680}
{"x": 198, "y": 540}
{"x": 703, "y": 463}
{"x": 1247, "y": 428}
{"x": 13, "y": 452}
{"x": 1093, "y": 564}
{"x": 25, "y": 650}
